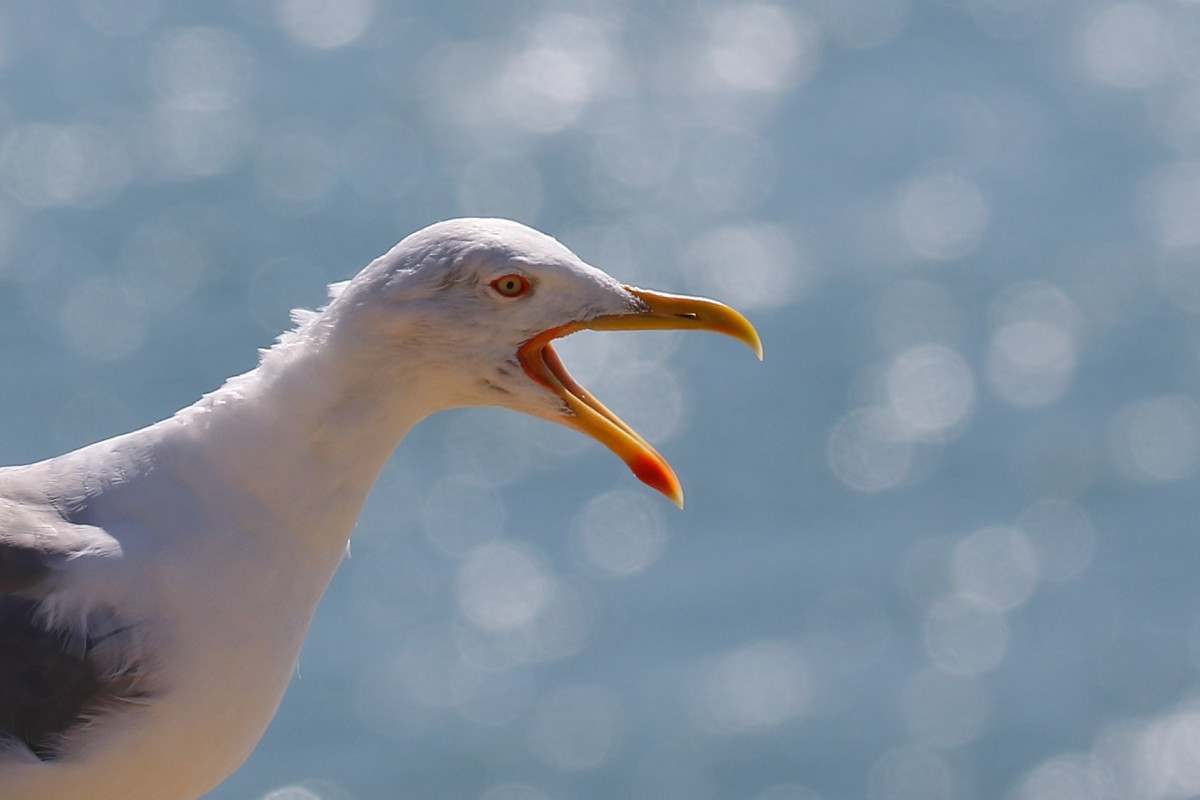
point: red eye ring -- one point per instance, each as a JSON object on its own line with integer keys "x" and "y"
{"x": 513, "y": 284}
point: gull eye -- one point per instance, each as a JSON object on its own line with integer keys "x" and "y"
{"x": 511, "y": 285}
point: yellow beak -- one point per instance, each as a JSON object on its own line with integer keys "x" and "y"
{"x": 586, "y": 413}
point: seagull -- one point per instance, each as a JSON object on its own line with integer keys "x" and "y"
{"x": 156, "y": 587}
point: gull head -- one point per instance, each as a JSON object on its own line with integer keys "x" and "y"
{"x": 473, "y": 306}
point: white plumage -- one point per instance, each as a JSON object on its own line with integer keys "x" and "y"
{"x": 156, "y": 587}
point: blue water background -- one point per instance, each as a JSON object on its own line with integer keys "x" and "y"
{"x": 942, "y": 543}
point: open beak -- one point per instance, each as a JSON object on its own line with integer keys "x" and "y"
{"x": 587, "y": 414}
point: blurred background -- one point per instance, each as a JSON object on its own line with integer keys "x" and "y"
{"x": 942, "y": 544}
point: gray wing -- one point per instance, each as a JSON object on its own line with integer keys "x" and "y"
{"x": 52, "y": 680}
{"x": 34, "y": 538}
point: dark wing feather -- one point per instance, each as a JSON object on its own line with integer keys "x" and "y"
{"x": 44, "y": 687}
{"x": 21, "y": 568}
